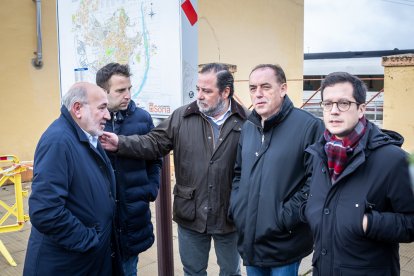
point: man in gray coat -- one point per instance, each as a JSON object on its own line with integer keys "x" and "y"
{"x": 203, "y": 136}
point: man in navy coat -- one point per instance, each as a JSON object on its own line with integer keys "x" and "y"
{"x": 72, "y": 201}
{"x": 137, "y": 180}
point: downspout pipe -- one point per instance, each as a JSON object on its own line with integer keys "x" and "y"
{"x": 37, "y": 61}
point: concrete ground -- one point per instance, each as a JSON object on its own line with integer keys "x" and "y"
{"x": 16, "y": 243}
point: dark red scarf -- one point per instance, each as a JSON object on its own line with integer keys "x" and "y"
{"x": 338, "y": 150}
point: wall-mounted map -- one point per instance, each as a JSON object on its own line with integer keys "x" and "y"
{"x": 146, "y": 34}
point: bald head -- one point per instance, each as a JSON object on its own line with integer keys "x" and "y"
{"x": 79, "y": 93}
{"x": 87, "y": 104}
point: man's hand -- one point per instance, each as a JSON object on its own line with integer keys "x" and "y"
{"x": 109, "y": 141}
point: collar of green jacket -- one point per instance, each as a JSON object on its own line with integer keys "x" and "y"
{"x": 236, "y": 108}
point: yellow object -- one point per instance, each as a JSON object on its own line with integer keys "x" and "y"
{"x": 6, "y": 254}
{"x": 399, "y": 96}
{"x": 13, "y": 174}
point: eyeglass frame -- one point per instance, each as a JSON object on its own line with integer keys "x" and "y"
{"x": 323, "y": 106}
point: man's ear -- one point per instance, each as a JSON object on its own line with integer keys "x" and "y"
{"x": 283, "y": 89}
{"x": 226, "y": 93}
{"x": 76, "y": 109}
{"x": 361, "y": 110}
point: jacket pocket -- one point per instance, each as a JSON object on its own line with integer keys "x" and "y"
{"x": 184, "y": 202}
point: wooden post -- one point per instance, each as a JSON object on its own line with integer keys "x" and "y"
{"x": 164, "y": 222}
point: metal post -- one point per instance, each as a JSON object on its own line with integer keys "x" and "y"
{"x": 164, "y": 222}
{"x": 37, "y": 62}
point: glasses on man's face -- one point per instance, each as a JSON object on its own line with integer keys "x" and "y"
{"x": 342, "y": 105}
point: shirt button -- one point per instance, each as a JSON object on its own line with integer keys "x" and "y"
{"x": 211, "y": 162}
{"x": 323, "y": 251}
{"x": 205, "y": 208}
{"x": 256, "y": 153}
{"x": 210, "y": 186}
{"x": 209, "y": 137}
{"x": 326, "y": 211}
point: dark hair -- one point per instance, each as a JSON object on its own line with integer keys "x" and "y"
{"x": 105, "y": 73}
{"x": 224, "y": 77}
{"x": 279, "y": 73}
{"x": 360, "y": 89}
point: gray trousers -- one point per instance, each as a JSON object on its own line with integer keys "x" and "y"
{"x": 194, "y": 250}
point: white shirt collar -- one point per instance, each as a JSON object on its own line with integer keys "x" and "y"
{"x": 92, "y": 139}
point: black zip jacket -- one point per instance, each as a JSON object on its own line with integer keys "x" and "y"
{"x": 270, "y": 187}
{"x": 375, "y": 182}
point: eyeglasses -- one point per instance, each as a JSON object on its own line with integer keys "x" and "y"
{"x": 342, "y": 105}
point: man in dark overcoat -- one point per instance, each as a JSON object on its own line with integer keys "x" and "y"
{"x": 72, "y": 202}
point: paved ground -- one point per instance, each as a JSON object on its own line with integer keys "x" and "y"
{"x": 16, "y": 243}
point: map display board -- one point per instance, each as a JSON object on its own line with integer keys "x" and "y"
{"x": 146, "y": 34}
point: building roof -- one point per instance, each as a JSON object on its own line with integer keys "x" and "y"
{"x": 356, "y": 54}
{"x": 357, "y": 63}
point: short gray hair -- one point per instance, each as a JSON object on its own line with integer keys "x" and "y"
{"x": 75, "y": 94}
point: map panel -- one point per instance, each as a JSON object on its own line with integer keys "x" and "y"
{"x": 142, "y": 33}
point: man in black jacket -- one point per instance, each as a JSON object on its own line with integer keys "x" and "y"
{"x": 360, "y": 204}
{"x": 137, "y": 180}
{"x": 270, "y": 187}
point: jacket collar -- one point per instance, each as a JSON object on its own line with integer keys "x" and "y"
{"x": 382, "y": 137}
{"x": 120, "y": 115}
{"x": 373, "y": 138}
{"x": 79, "y": 132}
{"x": 236, "y": 108}
{"x": 275, "y": 119}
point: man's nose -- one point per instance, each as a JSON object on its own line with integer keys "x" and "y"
{"x": 128, "y": 94}
{"x": 107, "y": 116}
{"x": 258, "y": 93}
{"x": 335, "y": 109}
{"x": 200, "y": 95}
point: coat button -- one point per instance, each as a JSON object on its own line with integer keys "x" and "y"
{"x": 323, "y": 251}
{"x": 326, "y": 211}
{"x": 211, "y": 162}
